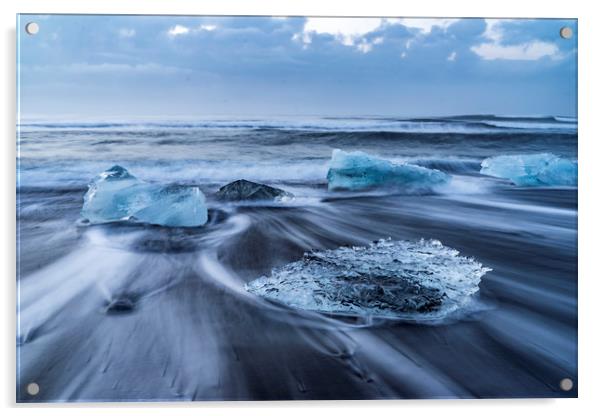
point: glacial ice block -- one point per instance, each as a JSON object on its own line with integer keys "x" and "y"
{"x": 408, "y": 280}
{"x": 356, "y": 171}
{"x": 542, "y": 169}
{"x": 117, "y": 195}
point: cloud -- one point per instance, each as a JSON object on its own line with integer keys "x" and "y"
{"x": 452, "y": 56}
{"x": 495, "y": 48}
{"x": 178, "y": 30}
{"x": 207, "y": 28}
{"x": 126, "y": 33}
{"x": 303, "y": 37}
{"x": 348, "y": 31}
{"x": 493, "y": 30}
{"x": 354, "y": 32}
{"x": 366, "y": 46}
{"x": 530, "y": 51}
{"x": 424, "y": 26}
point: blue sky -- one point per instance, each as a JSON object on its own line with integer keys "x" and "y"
{"x": 120, "y": 67}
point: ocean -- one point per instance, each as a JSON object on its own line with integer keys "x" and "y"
{"x": 191, "y": 329}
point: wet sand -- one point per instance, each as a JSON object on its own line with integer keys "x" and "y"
{"x": 187, "y": 330}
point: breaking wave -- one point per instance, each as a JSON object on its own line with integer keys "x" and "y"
{"x": 457, "y": 124}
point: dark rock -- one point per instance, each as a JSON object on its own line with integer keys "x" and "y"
{"x": 243, "y": 190}
{"x": 121, "y": 305}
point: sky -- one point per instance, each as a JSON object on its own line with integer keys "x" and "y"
{"x": 123, "y": 67}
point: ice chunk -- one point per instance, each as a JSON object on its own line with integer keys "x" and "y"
{"x": 422, "y": 280}
{"x": 542, "y": 169}
{"x": 174, "y": 206}
{"x": 355, "y": 171}
{"x": 117, "y": 195}
{"x": 243, "y": 190}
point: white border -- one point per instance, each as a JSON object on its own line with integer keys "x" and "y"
{"x": 590, "y": 210}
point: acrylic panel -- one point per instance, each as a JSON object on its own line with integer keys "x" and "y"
{"x": 295, "y": 208}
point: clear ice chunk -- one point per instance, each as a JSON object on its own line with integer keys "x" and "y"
{"x": 117, "y": 195}
{"x": 354, "y": 171}
{"x": 408, "y": 280}
{"x": 542, "y": 169}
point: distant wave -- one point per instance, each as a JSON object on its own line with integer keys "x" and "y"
{"x": 456, "y": 124}
{"x": 565, "y": 119}
{"x": 514, "y": 118}
{"x": 510, "y": 122}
